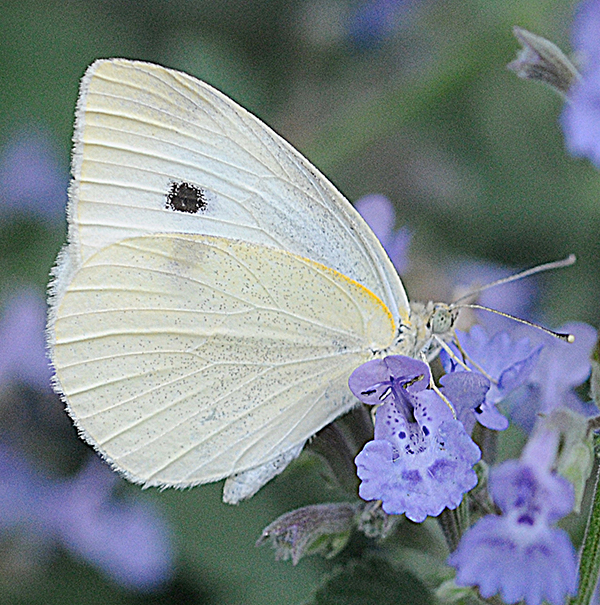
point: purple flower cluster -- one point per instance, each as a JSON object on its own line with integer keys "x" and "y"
{"x": 22, "y": 343}
{"x": 126, "y": 540}
{"x": 516, "y": 298}
{"x": 508, "y": 362}
{"x": 373, "y": 21}
{"x": 561, "y": 368}
{"x": 379, "y": 213}
{"x": 421, "y": 458}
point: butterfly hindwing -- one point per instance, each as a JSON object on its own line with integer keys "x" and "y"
{"x": 188, "y": 358}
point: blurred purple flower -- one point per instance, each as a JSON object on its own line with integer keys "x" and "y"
{"x": 22, "y": 341}
{"x": 561, "y": 368}
{"x": 516, "y": 298}
{"x": 508, "y": 362}
{"x": 31, "y": 178}
{"x": 379, "y": 214}
{"x": 581, "y": 115}
{"x": 421, "y": 460}
{"x": 375, "y": 20}
{"x": 126, "y": 540}
{"x": 520, "y": 554}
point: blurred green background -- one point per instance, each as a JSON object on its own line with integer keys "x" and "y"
{"x": 409, "y": 99}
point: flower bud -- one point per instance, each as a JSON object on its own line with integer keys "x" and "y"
{"x": 320, "y": 528}
{"x": 541, "y": 60}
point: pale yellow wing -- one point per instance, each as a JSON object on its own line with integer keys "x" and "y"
{"x": 156, "y": 150}
{"x": 184, "y": 358}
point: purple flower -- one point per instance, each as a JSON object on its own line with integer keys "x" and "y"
{"x": 581, "y": 116}
{"x": 31, "y": 179}
{"x": 126, "y": 540}
{"x": 22, "y": 342}
{"x": 379, "y": 214}
{"x": 421, "y": 460}
{"x": 508, "y": 362}
{"x": 468, "y": 392}
{"x": 561, "y": 368}
{"x": 520, "y": 554}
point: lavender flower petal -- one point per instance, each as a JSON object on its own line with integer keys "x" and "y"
{"x": 422, "y": 483}
{"x": 586, "y": 26}
{"x": 31, "y": 180}
{"x": 510, "y": 362}
{"x": 379, "y": 214}
{"x": 518, "y": 562}
{"x": 520, "y": 554}
{"x": 467, "y": 392}
{"x": 22, "y": 341}
{"x": 563, "y": 365}
{"x": 421, "y": 460}
{"x": 581, "y": 116}
{"x": 370, "y": 381}
{"x": 561, "y": 368}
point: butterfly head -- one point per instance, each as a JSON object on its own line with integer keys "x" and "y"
{"x": 441, "y": 319}
{"x": 431, "y": 323}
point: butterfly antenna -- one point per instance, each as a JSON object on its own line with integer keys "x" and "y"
{"x": 558, "y": 264}
{"x": 559, "y": 335}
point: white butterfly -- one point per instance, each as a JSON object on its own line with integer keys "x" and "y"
{"x": 217, "y": 290}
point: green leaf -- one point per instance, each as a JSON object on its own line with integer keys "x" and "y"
{"x": 372, "y": 581}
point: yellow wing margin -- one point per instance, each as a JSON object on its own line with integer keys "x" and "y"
{"x": 188, "y": 358}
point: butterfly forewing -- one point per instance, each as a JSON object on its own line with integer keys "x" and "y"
{"x": 159, "y": 151}
{"x": 187, "y": 358}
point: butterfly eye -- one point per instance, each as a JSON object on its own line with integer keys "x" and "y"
{"x": 442, "y": 319}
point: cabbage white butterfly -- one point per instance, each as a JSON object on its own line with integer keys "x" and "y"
{"x": 216, "y": 291}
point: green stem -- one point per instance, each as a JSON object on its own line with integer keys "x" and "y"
{"x": 449, "y": 523}
{"x": 454, "y": 523}
{"x": 589, "y": 561}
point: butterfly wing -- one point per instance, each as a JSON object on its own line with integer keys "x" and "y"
{"x": 156, "y": 150}
{"x": 188, "y": 358}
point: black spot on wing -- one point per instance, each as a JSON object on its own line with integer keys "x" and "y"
{"x": 185, "y": 197}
